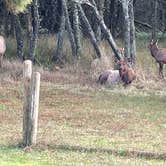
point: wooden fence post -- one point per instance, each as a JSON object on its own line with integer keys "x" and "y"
{"x": 35, "y": 88}
{"x": 27, "y": 72}
{"x": 31, "y": 87}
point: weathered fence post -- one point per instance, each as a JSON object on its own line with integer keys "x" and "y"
{"x": 31, "y": 87}
{"x": 27, "y": 73}
{"x": 35, "y": 88}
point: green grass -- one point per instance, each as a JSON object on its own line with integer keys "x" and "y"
{"x": 84, "y": 125}
{"x": 78, "y": 126}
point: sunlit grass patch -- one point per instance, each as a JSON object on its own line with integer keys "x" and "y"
{"x": 2, "y": 107}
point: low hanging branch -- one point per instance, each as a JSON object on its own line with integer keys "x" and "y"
{"x": 103, "y": 27}
{"x": 143, "y": 24}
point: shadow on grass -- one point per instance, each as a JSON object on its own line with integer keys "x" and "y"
{"x": 80, "y": 149}
{"x": 120, "y": 153}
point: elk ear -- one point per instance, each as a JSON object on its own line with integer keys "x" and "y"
{"x": 156, "y": 42}
{"x": 152, "y": 42}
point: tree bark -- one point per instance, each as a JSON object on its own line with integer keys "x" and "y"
{"x": 19, "y": 36}
{"x": 90, "y": 31}
{"x": 155, "y": 20}
{"x": 100, "y": 6}
{"x": 105, "y": 30}
{"x": 69, "y": 28}
{"x": 77, "y": 33}
{"x": 58, "y": 54}
{"x": 132, "y": 33}
{"x": 35, "y": 29}
{"x": 125, "y": 6}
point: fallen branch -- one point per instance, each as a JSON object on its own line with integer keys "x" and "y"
{"x": 144, "y": 24}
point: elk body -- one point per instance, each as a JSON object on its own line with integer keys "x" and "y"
{"x": 2, "y": 49}
{"x": 110, "y": 77}
{"x": 159, "y": 54}
{"x": 126, "y": 73}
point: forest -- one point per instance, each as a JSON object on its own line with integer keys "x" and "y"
{"x": 96, "y": 20}
{"x": 82, "y": 82}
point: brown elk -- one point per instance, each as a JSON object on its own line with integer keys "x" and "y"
{"x": 2, "y": 49}
{"x": 159, "y": 54}
{"x": 126, "y": 73}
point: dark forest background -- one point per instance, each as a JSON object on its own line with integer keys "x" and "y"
{"x": 44, "y": 17}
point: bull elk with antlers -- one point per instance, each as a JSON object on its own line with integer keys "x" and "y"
{"x": 159, "y": 54}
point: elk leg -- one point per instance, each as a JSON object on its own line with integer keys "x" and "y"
{"x": 1, "y": 59}
{"x": 161, "y": 70}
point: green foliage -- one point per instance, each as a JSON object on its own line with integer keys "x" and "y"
{"x": 147, "y": 36}
{"x": 17, "y": 6}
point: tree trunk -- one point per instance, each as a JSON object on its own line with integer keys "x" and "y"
{"x": 19, "y": 36}
{"x": 106, "y": 32}
{"x": 125, "y": 7}
{"x": 35, "y": 28}
{"x": 69, "y": 28}
{"x": 58, "y": 54}
{"x": 155, "y": 20}
{"x": 76, "y": 27}
{"x": 90, "y": 31}
{"x": 132, "y": 33}
{"x": 29, "y": 30}
{"x": 100, "y": 6}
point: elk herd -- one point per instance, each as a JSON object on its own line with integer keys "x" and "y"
{"x": 125, "y": 72}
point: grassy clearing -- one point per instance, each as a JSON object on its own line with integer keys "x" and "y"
{"x": 79, "y": 126}
{"x": 81, "y": 123}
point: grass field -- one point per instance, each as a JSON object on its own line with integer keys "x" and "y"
{"x": 81, "y": 126}
{"x": 81, "y": 123}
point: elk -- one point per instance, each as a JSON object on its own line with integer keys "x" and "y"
{"x": 2, "y": 49}
{"x": 110, "y": 77}
{"x": 159, "y": 54}
{"x": 126, "y": 73}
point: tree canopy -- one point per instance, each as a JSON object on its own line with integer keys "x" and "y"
{"x": 17, "y": 6}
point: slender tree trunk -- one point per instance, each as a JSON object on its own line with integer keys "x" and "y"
{"x": 19, "y": 36}
{"x": 90, "y": 31}
{"x": 125, "y": 6}
{"x": 58, "y": 54}
{"x": 106, "y": 32}
{"x": 107, "y": 13}
{"x": 100, "y": 6}
{"x": 163, "y": 19}
{"x": 29, "y": 30}
{"x": 76, "y": 27}
{"x": 132, "y": 33}
{"x": 69, "y": 28}
{"x": 35, "y": 28}
{"x": 155, "y": 20}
